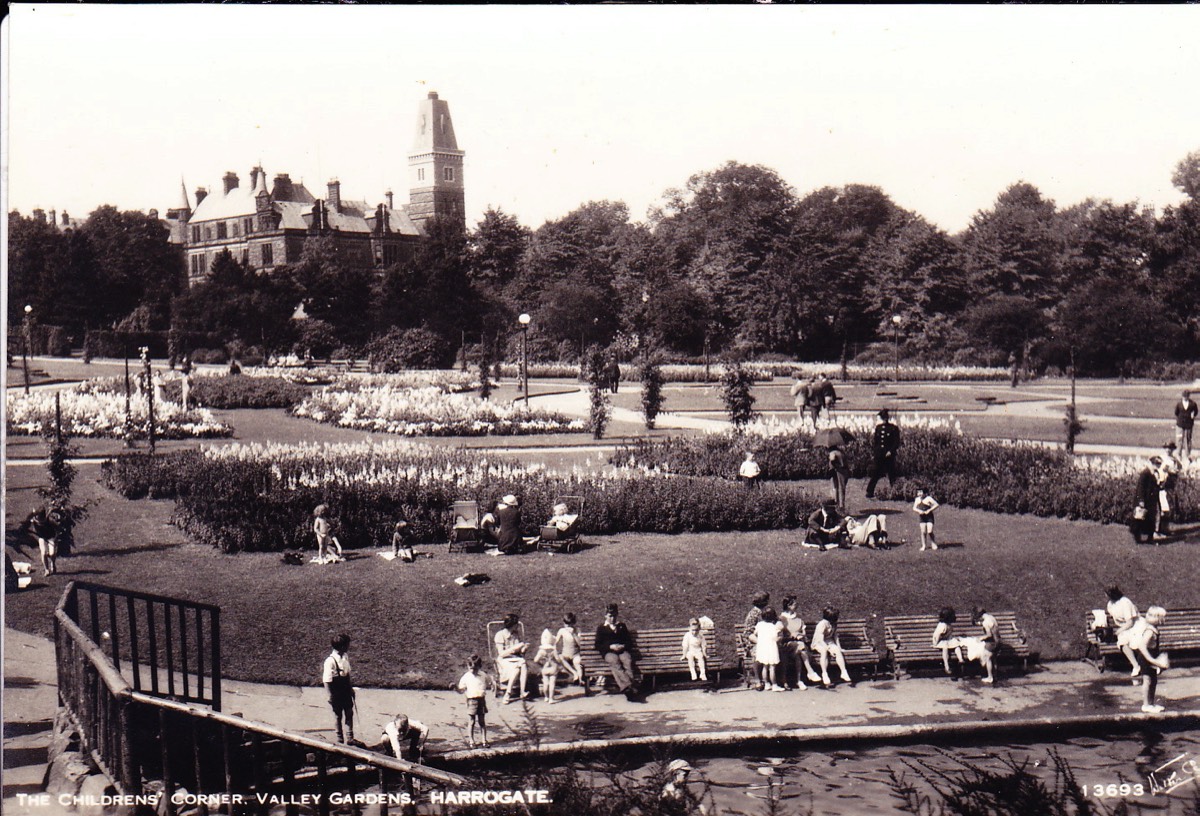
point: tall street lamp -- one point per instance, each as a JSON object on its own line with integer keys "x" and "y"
{"x": 896, "y": 321}
{"x": 28, "y": 343}
{"x": 524, "y": 321}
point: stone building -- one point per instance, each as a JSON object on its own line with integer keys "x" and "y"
{"x": 265, "y": 225}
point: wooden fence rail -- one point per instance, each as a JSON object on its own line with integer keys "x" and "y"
{"x": 136, "y": 735}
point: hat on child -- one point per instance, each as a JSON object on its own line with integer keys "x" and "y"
{"x": 510, "y": 500}
{"x": 679, "y": 765}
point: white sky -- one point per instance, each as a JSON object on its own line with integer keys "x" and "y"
{"x": 555, "y": 106}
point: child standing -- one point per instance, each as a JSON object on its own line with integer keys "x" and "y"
{"x": 566, "y": 642}
{"x": 475, "y": 684}
{"x": 944, "y": 639}
{"x": 750, "y": 471}
{"x": 1152, "y": 661}
{"x": 547, "y": 658}
{"x": 923, "y": 506}
{"x": 693, "y": 651}
{"x": 766, "y": 648}
{"x": 401, "y": 544}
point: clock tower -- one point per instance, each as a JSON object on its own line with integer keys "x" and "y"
{"x": 435, "y": 166}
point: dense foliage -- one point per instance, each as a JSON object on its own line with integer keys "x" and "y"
{"x": 255, "y": 497}
{"x": 734, "y": 260}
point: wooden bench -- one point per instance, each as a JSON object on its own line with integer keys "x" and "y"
{"x": 656, "y": 652}
{"x": 909, "y": 639}
{"x": 1179, "y": 634}
{"x": 857, "y": 645}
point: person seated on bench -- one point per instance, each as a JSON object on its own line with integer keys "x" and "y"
{"x": 944, "y": 639}
{"x": 870, "y": 532}
{"x": 825, "y": 642}
{"x": 510, "y": 658}
{"x": 1124, "y": 614}
{"x": 402, "y": 733}
{"x": 614, "y": 643}
{"x": 826, "y": 526}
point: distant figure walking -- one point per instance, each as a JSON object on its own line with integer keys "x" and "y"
{"x": 43, "y": 525}
{"x": 612, "y": 371}
{"x": 839, "y": 476}
{"x": 800, "y": 390}
{"x": 1185, "y": 420}
{"x": 885, "y": 441}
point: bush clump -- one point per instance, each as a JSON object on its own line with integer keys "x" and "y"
{"x": 226, "y": 393}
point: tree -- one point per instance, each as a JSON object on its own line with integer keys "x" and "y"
{"x": 331, "y": 290}
{"x": 599, "y": 410}
{"x": 1005, "y": 323}
{"x": 1015, "y": 248}
{"x": 1110, "y": 324}
{"x": 496, "y": 249}
{"x": 720, "y": 230}
{"x": 1105, "y": 240}
{"x": 652, "y": 383}
{"x": 1187, "y": 175}
{"x": 137, "y": 265}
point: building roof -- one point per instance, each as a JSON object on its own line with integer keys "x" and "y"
{"x": 355, "y": 216}
{"x": 435, "y": 129}
{"x": 237, "y": 202}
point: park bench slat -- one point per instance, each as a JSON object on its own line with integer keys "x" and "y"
{"x": 909, "y": 639}
{"x": 857, "y": 645}
{"x": 1180, "y": 633}
{"x": 657, "y": 652}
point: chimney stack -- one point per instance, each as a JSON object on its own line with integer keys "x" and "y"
{"x": 335, "y": 195}
{"x": 253, "y": 178}
{"x": 388, "y": 196}
{"x": 231, "y": 181}
{"x": 201, "y": 192}
{"x": 54, "y": 218}
{"x": 66, "y": 222}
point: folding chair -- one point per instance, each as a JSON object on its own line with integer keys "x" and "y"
{"x": 554, "y": 539}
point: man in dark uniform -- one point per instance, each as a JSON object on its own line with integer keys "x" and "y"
{"x": 884, "y": 444}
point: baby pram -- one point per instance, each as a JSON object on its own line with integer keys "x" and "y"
{"x": 562, "y": 535}
{"x": 466, "y": 532}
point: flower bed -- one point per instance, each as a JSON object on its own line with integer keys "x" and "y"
{"x": 428, "y": 411}
{"x": 241, "y": 391}
{"x": 961, "y": 471}
{"x": 95, "y": 411}
{"x": 261, "y": 497}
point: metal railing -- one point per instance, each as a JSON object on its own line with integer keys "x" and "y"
{"x": 136, "y": 735}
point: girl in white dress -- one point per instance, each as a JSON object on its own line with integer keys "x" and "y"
{"x": 766, "y": 647}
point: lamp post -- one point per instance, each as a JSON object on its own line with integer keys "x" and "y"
{"x": 524, "y": 321}
{"x": 896, "y": 321}
{"x": 28, "y": 343}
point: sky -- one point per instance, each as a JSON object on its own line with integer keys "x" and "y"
{"x": 941, "y": 107}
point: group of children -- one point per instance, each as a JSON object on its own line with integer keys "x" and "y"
{"x": 982, "y": 648}
{"x": 776, "y": 651}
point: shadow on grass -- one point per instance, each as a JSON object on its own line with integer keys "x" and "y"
{"x": 153, "y": 547}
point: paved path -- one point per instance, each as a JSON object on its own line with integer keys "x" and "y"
{"x": 1053, "y": 693}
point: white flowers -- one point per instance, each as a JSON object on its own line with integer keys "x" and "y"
{"x": 92, "y": 410}
{"x": 380, "y": 405}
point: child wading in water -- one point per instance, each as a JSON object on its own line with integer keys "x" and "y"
{"x": 693, "y": 651}
{"x": 476, "y": 684}
{"x": 566, "y": 642}
{"x": 923, "y": 506}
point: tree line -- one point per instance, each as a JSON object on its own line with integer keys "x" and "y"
{"x": 734, "y": 261}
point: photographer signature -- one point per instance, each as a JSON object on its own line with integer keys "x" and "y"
{"x": 1174, "y": 774}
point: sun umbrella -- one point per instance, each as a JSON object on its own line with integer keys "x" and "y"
{"x": 832, "y": 437}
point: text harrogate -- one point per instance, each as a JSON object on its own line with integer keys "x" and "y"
{"x": 506, "y": 797}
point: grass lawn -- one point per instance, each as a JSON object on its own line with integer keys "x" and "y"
{"x": 412, "y": 626}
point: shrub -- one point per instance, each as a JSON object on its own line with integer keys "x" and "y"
{"x": 735, "y": 392}
{"x": 402, "y": 349}
{"x": 261, "y": 497}
{"x": 243, "y": 391}
{"x": 599, "y": 409}
{"x": 962, "y": 471}
{"x": 652, "y": 396}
